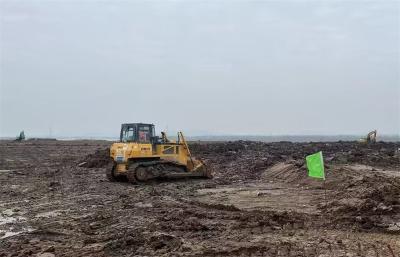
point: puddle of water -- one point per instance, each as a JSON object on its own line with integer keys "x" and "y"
{"x": 7, "y": 220}
{"x": 9, "y": 233}
{"x": 8, "y": 212}
{"x": 13, "y": 233}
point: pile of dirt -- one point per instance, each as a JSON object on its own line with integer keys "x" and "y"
{"x": 290, "y": 172}
{"x": 371, "y": 202}
{"x": 98, "y": 159}
{"x": 360, "y": 198}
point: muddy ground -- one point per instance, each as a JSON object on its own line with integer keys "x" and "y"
{"x": 259, "y": 203}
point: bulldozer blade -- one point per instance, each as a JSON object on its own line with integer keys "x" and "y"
{"x": 201, "y": 171}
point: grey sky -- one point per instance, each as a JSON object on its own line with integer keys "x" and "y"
{"x": 234, "y": 67}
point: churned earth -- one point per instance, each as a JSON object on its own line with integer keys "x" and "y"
{"x": 56, "y": 201}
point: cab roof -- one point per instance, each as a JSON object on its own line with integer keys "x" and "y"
{"x": 136, "y": 124}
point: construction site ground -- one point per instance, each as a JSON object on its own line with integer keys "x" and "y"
{"x": 56, "y": 201}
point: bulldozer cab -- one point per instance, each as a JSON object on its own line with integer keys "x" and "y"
{"x": 137, "y": 132}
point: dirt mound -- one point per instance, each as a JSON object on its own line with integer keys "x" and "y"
{"x": 286, "y": 171}
{"x": 361, "y": 198}
{"x": 371, "y": 202}
{"x": 98, "y": 159}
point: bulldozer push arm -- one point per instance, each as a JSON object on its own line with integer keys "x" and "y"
{"x": 181, "y": 137}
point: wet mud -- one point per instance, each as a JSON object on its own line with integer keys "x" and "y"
{"x": 56, "y": 201}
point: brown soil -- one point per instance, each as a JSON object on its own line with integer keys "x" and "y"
{"x": 55, "y": 201}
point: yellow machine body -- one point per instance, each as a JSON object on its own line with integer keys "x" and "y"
{"x": 157, "y": 157}
{"x": 122, "y": 153}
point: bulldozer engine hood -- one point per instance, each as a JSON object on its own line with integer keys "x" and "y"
{"x": 120, "y": 151}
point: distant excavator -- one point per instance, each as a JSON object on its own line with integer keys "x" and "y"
{"x": 370, "y": 138}
{"x": 141, "y": 156}
{"x": 21, "y": 136}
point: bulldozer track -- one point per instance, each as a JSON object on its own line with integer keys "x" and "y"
{"x": 131, "y": 173}
{"x": 144, "y": 171}
{"x": 110, "y": 173}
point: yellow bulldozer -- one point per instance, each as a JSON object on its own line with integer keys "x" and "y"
{"x": 141, "y": 156}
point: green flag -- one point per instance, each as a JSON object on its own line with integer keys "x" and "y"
{"x": 315, "y": 165}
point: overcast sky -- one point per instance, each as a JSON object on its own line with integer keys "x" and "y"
{"x": 81, "y": 68}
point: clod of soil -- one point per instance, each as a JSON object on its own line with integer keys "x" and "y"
{"x": 98, "y": 159}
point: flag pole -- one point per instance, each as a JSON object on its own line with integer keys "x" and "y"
{"x": 323, "y": 167}
{"x": 326, "y": 202}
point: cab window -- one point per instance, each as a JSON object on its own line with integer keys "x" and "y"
{"x": 144, "y": 134}
{"x": 128, "y": 135}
